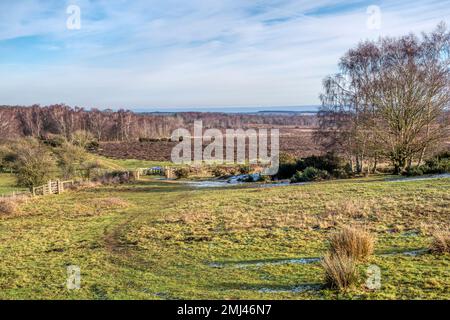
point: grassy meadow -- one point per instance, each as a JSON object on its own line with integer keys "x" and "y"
{"x": 8, "y": 184}
{"x": 167, "y": 240}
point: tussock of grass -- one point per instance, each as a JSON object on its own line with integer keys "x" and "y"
{"x": 8, "y": 207}
{"x": 340, "y": 271}
{"x": 440, "y": 243}
{"x": 355, "y": 243}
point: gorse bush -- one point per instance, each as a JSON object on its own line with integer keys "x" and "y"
{"x": 287, "y": 166}
{"x": 328, "y": 162}
{"x": 436, "y": 165}
{"x": 340, "y": 271}
{"x": 245, "y": 169}
{"x": 182, "y": 173}
{"x": 310, "y": 174}
{"x": 352, "y": 242}
{"x": 219, "y": 172}
{"x": 330, "y": 165}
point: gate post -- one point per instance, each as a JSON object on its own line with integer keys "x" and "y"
{"x": 59, "y": 186}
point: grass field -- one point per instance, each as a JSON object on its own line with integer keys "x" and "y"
{"x": 165, "y": 240}
{"x": 8, "y": 184}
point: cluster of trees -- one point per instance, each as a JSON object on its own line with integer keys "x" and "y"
{"x": 107, "y": 125}
{"x": 390, "y": 100}
{"x": 34, "y": 161}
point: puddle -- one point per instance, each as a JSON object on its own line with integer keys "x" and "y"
{"x": 263, "y": 263}
{"x": 411, "y": 253}
{"x": 297, "y": 289}
{"x": 211, "y": 184}
{"x": 225, "y": 184}
{"x": 420, "y": 178}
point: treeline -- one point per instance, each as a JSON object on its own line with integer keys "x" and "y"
{"x": 123, "y": 125}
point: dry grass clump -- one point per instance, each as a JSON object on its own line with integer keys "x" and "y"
{"x": 112, "y": 203}
{"x": 8, "y": 207}
{"x": 355, "y": 243}
{"x": 347, "y": 247}
{"x": 440, "y": 243}
{"x": 340, "y": 271}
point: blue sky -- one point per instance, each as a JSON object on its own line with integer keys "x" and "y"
{"x": 196, "y": 53}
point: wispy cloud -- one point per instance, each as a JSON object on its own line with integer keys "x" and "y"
{"x": 188, "y": 53}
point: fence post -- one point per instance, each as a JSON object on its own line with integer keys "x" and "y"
{"x": 34, "y": 191}
{"x": 50, "y": 187}
{"x": 58, "y": 186}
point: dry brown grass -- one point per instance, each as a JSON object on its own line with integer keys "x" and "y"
{"x": 340, "y": 271}
{"x": 355, "y": 243}
{"x": 111, "y": 203}
{"x": 440, "y": 243}
{"x": 8, "y": 207}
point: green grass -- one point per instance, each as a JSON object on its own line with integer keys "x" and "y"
{"x": 8, "y": 184}
{"x": 165, "y": 240}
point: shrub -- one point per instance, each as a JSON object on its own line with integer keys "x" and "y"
{"x": 114, "y": 177}
{"x": 340, "y": 174}
{"x": 328, "y": 162}
{"x": 182, "y": 173}
{"x": 92, "y": 169}
{"x": 7, "y": 158}
{"x": 92, "y": 146}
{"x": 439, "y": 164}
{"x": 245, "y": 169}
{"x": 219, "y": 172}
{"x": 440, "y": 243}
{"x": 340, "y": 271}
{"x": 310, "y": 174}
{"x": 70, "y": 159}
{"x": 8, "y": 206}
{"x": 265, "y": 179}
{"x": 34, "y": 164}
{"x": 414, "y": 171}
{"x": 355, "y": 243}
{"x": 83, "y": 139}
{"x": 54, "y": 141}
{"x": 287, "y": 166}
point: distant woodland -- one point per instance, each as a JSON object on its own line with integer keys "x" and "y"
{"x": 124, "y": 125}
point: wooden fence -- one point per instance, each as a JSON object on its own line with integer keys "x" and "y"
{"x": 156, "y": 171}
{"x": 52, "y": 187}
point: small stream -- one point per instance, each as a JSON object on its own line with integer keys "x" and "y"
{"x": 233, "y": 182}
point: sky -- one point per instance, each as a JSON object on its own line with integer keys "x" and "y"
{"x": 189, "y": 53}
